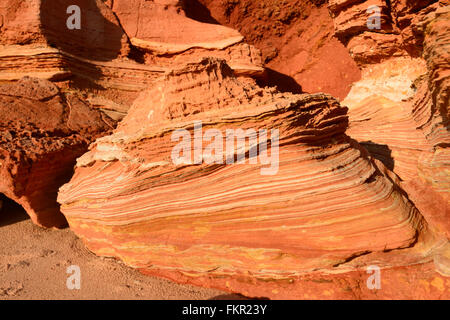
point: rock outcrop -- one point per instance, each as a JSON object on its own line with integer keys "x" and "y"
{"x": 375, "y": 30}
{"x": 42, "y": 132}
{"x": 37, "y": 42}
{"x": 173, "y": 33}
{"x": 328, "y": 209}
{"x": 130, "y": 117}
{"x": 297, "y": 41}
{"x": 100, "y": 59}
{"x": 100, "y": 66}
{"x": 399, "y": 110}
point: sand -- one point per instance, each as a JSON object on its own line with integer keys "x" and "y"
{"x": 34, "y": 261}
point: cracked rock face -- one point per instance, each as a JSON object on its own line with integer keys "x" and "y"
{"x": 42, "y": 132}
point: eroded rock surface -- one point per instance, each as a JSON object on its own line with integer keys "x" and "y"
{"x": 121, "y": 48}
{"x": 360, "y": 183}
{"x": 42, "y": 132}
{"x": 297, "y": 41}
{"x": 399, "y": 110}
{"x": 327, "y": 205}
{"x": 162, "y": 28}
{"x": 99, "y": 65}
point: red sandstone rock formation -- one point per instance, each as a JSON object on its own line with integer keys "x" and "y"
{"x": 96, "y": 62}
{"x": 397, "y": 36}
{"x": 42, "y": 132}
{"x": 328, "y": 209}
{"x": 162, "y": 29}
{"x": 336, "y": 205}
{"x": 36, "y": 42}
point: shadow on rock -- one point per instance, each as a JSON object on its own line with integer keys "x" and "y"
{"x": 283, "y": 82}
{"x": 100, "y": 37}
{"x": 197, "y": 11}
{"x": 11, "y": 212}
{"x": 380, "y": 152}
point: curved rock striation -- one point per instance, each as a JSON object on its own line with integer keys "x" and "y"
{"x": 42, "y": 132}
{"x": 381, "y": 118}
{"x": 327, "y": 205}
{"x": 98, "y": 65}
{"x": 399, "y": 110}
{"x": 213, "y": 180}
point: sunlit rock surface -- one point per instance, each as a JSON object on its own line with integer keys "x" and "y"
{"x": 328, "y": 208}
{"x": 357, "y": 184}
{"x": 108, "y": 58}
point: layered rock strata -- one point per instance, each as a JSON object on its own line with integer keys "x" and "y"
{"x": 96, "y": 63}
{"x": 296, "y": 38}
{"x": 399, "y": 110}
{"x": 36, "y": 41}
{"x": 303, "y": 219}
{"x": 328, "y": 208}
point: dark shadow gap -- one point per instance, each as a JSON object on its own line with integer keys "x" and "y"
{"x": 197, "y": 11}
{"x": 380, "y": 152}
{"x": 11, "y": 212}
{"x": 283, "y": 82}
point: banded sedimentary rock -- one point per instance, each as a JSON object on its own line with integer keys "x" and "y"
{"x": 325, "y": 208}
{"x": 403, "y": 103}
{"x": 431, "y": 108}
{"x": 381, "y": 118}
{"x": 399, "y": 110}
{"x": 99, "y": 38}
{"x": 42, "y": 132}
{"x": 95, "y": 62}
